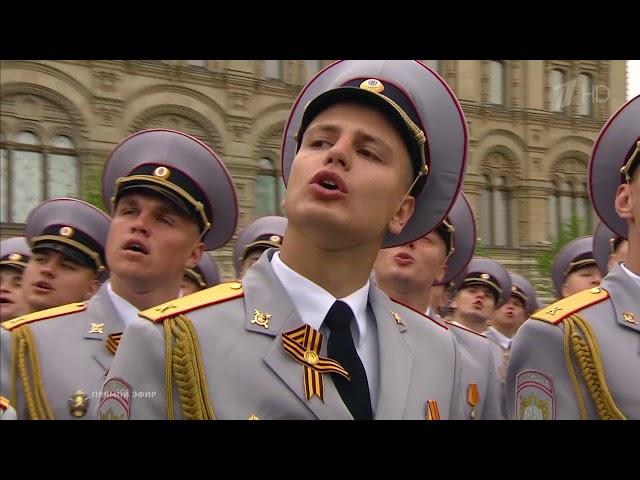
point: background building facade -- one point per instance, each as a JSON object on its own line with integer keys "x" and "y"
{"x": 532, "y": 125}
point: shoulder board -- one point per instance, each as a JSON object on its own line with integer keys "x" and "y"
{"x": 204, "y": 298}
{"x": 565, "y": 307}
{"x": 422, "y": 314}
{"x": 44, "y": 315}
{"x": 4, "y": 403}
{"x": 462, "y": 327}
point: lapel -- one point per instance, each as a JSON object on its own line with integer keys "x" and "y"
{"x": 264, "y": 292}
{"x": 623, "y": 292}
{"x": 100, "y": 310}
{"x": 396, "y": 358}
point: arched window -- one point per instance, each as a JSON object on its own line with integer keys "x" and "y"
{"x": 568, "y": 197}
{"x": 585, "y": 86}
{"x": 495, "y": 212}
{"x": 273, "y": 69}
{"x": 558, "y": 91}
{"x": 496, "y": 82}
{"x": 34, "y": 172}
{"x": 269, "y": 189}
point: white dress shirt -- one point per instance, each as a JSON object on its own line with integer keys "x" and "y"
{"x": 127, "y": 312}
{"x": 313, "y": 302}
{"x": 501, "y": 339}
{"x": 633, "y": 276}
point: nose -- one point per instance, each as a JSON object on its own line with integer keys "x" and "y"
{"x": 338, "y": 154}
{"x": 140, "y": 225}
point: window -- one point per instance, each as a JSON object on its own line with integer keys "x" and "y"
{"x": 273, "y": 69}
{"x": 494, "y": 211}
{"x": 585, "y": 86}
{"x": 568, "y": 197}
{"x": 311, "y": 68}
{"x": 33, "y": 172}
{"x": 558, "y": 89}
{"x": 269, "y": 189}
{"x": 496, "y": 82}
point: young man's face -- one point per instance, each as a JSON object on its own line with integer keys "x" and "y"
{"x": 627, "y": 204}
{"x": 249, "y": 260}
{"x": 52, "y": 279}
{"x": 582, "y": 279}
{"x": 475, "y": 301}
{"x": 412, "y": 267}
{"x": 189, "y": 285}
{"x": 348, "y": 179}
{"x": 151, "y": 241}
{"x": 511, "y": 315}
{"x": 10, "y": 292}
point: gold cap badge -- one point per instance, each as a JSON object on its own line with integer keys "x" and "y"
{"x": 372, "y": 85}
{"x": 66, "y": 231}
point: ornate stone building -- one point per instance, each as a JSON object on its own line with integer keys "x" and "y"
{"x": 531, "y": 123}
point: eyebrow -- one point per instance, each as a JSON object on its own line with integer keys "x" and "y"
{"x": 359, "y": 134}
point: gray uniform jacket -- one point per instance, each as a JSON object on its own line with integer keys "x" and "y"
{"x": 228, "y": 360}
{"x": 70, "y": 344}
{"x": 598, "y": 330}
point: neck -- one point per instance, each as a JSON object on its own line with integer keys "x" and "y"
{"x": 339, "y": 272}
{"x": 473, "y": 322}
{"x": 633, "y": 255}
{"x": 506, "y": 331}
{"x": 416, "y": 299}
{"x": 143, "y": 298}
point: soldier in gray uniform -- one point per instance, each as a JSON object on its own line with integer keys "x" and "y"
{"x": 609, "y": 249}
{"x": 574, "y": 267}
{"x": 260, "y": 235}
{"x": 67, "y": 254}
{"x": 14, "y": 255}
{"x": 204, "y": 275}
{"x": 407, "y": 274}
{"x": 483, "y": 287}
{"x": 162, "y": 221}
{"x": 358, "y": 163}
{"x": 588, "y": 365}
{"x": 507, "y": 319}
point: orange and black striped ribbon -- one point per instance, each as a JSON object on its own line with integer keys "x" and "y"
{"x": 113, "y": 341}
{"x": 473, "y": 396}
{"x": 432, "y": 410}
{"x": 303, "y": 344}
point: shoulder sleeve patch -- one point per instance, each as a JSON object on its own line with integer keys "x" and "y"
{"x": 210, "y": 296}
{"x": 44, "y": 315}
{"x": 563, "y": 308}
{"x": 4, "y": 403}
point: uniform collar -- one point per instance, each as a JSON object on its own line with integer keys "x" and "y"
{"x": 633, "y": 276}
{"x": 313, "y": 302}
{"x": 127, "y": 312}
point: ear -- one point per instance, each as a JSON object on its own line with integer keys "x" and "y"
{"x": 94, "y": 286}
{"x": 402, "y": 215}
{"x": 564, "y": 290}
{"x": 195, "y": 255}
{"x": 623, "y": 202}
{"x": 441, "y": 272}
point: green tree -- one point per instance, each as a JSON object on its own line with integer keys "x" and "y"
{"x": 570, "y": 230}
{"x": 93, "y": 186}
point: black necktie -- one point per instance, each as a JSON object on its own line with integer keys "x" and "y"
{"x": 340, "y": 347}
